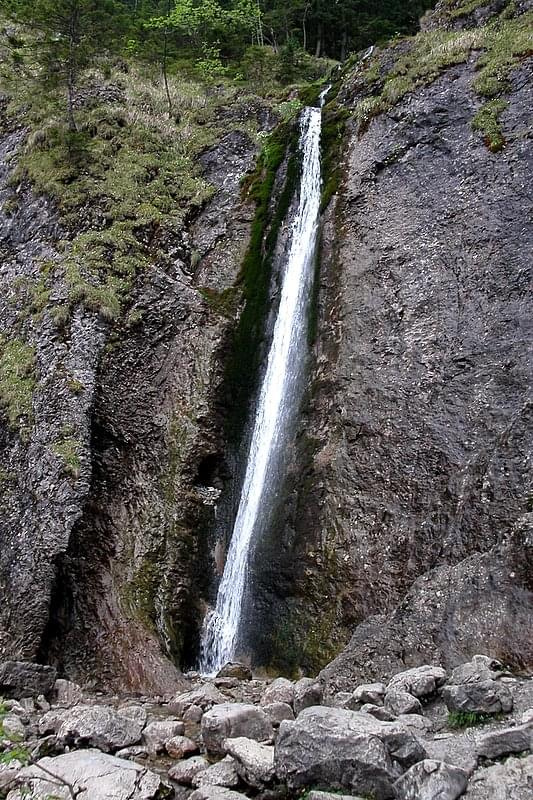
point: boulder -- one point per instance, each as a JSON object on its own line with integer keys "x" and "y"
{"x": 67, "y": 693}
{"x": 379, "y": 712}
{"x": 216, "y": 793}
{"x": 96, "y": 726}
{"x": 13, "y": 727}
{"x": 307, "y": 693}
{"x": 204, "y": 697}
{"x": 505, "y": 741}
{"x": 235, "y": 669}
{"x": 480, "y": 697}
{"x": 279, "y": 691}
{"x": 185, "y": 771}
{"x": 23, "y": 679}
{"x": 344, "y": 750}
{"x": 317, "y": 795}
{"x": 180, "y": 747}
{"x": 431, "y": 780}
{"x": 254, "y": 762}
{"x": 137, "y": 713}
{"x": 230, "y": 720}
{"x": 277, "y": 712}
{"x": 511, "y": 780}
{"x": 92, "y": 775}
{"x": 8, "y": 773}
{"x": 370, "y": 693}
{"x": 223, "y": 773}
{"x": 344, "y": 700}
{"x": 479, "y": 668}
{"x": 398, "y": 701}
{"x": 418, "y": 681}
{"x": 158, "y": 733}
{"x": 193, "y": 714}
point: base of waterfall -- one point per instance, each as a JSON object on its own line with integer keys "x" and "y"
{"x": 424, "y": 734}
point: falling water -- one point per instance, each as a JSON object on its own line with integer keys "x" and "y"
{"x": 277, "y": 401}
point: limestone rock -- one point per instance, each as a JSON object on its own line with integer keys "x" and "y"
{"x": 223, "y": 773}
{"x": 479, "y": 668}
{"x": 280, "y": 690}
{"x": 97, "y": 726}
{"x": 137, "y": 713}
{"x": 511, "y": 780}
{"x": 231, "y": 720}
{"x": 185, "y": 771}
{"x": 193, "y": 714}
{"x": 204, "y": 697}
{"x": 158, "y": 733}
{"x": 180, "y": 747}
{"x": 277, "y": 712}
{"x": 254, "y": 762}
{"x": 482, "y": 697}
{"x": 344, "y": 750}
{"x": 370, "y": 693}
{"x": 235, "y": 670}
{"x": 13, "y": 727}
{"x": 216, "y": 793}
{"x": 23, "y": 679}
{"x": 314, "y": 794}
{"x": 418, "y": 681}
{"x": 431, "y": 780}
{"x": 67, "y": 693}
{"x": 95, "y": 775}
{"x": 398, "y": 701}
{"x": 307, "y": 692}
{"x": 504, "y": 741}
{"x": 379, "y": 712}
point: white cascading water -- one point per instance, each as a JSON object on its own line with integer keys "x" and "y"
{"x": 275, "y": 405}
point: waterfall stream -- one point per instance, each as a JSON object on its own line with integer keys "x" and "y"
{"x": 276, "y": 405}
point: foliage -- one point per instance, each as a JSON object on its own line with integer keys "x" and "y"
{"x": 17, "y": 381}
{"x": 68, "y": 450}
{"x": 487, "y": 121}
{"x": 469, "y": 719}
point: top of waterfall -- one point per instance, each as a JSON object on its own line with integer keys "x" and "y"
{"x": 323, "y": 94}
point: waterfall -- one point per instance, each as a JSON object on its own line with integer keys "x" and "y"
{"x": 276, "y": 405}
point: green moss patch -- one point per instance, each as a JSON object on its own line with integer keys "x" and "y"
{"x": 17, "y": 381}
{"x": 487, "y": 121}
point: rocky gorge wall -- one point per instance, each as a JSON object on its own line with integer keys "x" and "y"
{"x": 415, "y": 449}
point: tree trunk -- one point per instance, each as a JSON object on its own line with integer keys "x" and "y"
{"x": 318, "y": 48}
{"x": 71, "y": 73}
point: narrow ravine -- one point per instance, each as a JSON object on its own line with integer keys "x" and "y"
{"x": 277, "y": 402}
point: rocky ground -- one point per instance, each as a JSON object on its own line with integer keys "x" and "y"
{"x": 426, "y": 735}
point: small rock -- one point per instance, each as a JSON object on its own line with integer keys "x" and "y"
{"x": 480, "y": 697}
{"x": 193, "y": 714}
{"x": 370, "y": 693}
{"x": 67, "y": 693}
{"x": 230, "y": 720}
{"x": 181, "y": 747}
{"x": 254, "y": 762}
{"x": 279, "y": 691}
{"x": 185, "y": 771}
{"x": 418, "y": 681}
{"x": 277, "y": 712}
{"x": 205, "y": 696}
{"x": 158, "y": 733}
{"x": 42, "y": 703}
{"x": 344, "y": 700}
{"x": 235, "y": 670}
{"x": 216, "y": 793}
{"x": 307, "y": 693}
{"x": 13, "y": 727}
{"x": 224, "y": 773}
{"x": 431, "y": 780}
{"x": 378, "y": 712}
{"x": 505, "y": 741}
{"x": 527, "y": 716}
{"x": 398, "y": 701}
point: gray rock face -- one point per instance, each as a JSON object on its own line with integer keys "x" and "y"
{"x": 344, "y": 750}
{"x": 23, "y": 679}
{"x": 509, "y": 740}
{"x": 431, "y": 780}
{"x": 97, "y": 726}
{"x": 93, "y": 775}
{"x": 232, "y": 720}
{"x": 512, "y": 780}
{"x": 484, "y": 697}
{"x": 254, "y": 762}
{"x": 67, "y": 693}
